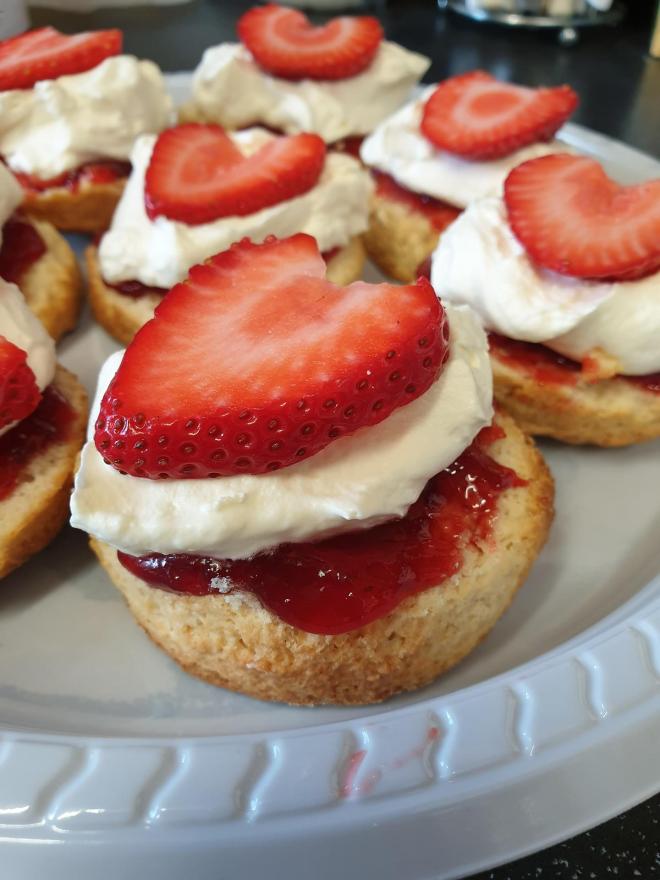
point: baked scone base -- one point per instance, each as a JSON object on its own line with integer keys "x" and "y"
{"x": 610, "y": 412}
{"x": 122, "y": 316}
{"x": 39, "y": 506}
{"x": 399, "y": 239}
{"x": 232, "y": 641}
{"x": 52, "y": 285}
{"x": 87, "y": 209}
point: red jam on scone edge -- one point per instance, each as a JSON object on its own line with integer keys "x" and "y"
{"x": 614, "y": 236}
{"x": 44, "y": 54}
{"x": 43, "y": 418}
{"x": 360, "y": 353}
{"x": 21, "y": 247}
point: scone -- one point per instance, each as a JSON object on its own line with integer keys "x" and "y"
{"x": 69, "y": 118}
{"x": 564, "y": 272}
{"x": 38, "y": 259}
{"x": 43, "y": 410}
{"x": 338, "y": 80}
{"x": 454, "y": 143}
{"x": 261, "y": 185}
{"x": 311, "y": 503}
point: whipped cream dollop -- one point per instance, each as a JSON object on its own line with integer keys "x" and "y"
{"x": 11, "y": 195}
{"x": 19, "y": 326}
{"x": 63, "y": 123}
{"x": 397, "y": 147}
{"x": 230, "y": 88}
{"x": 159, "y": 252}
{"x": 480, "y": 262}
{"x": 356, "y": 482}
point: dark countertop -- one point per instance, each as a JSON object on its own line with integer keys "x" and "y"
{"x": 619, "y": 85}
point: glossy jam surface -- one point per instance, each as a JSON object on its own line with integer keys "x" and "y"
{"x": 548, "y": 367}
{"x": 438, "y": 213}
{"x": 650, "y": 383}
{"x": 343, "y": 583}
{"x": 136, "y": 289}
{"x": 91, "y": 172}
{"x": 50, "y": 423}
{"x": 545, "y": 365}
{"x": 21, "y": 247}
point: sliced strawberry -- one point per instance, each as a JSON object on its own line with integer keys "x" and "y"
{"x": 478, "y": 117}
{"x": 19, "y": 393}
{"x": 46, "y": 54}
{"x": 285, "y": 43}
{"x": 256, "y": 362}
{"x": 197, "y": 173}
{"x": 573, "y": 219}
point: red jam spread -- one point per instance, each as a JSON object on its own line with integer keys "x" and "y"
{"x": 650, "y": 382}
{"x": 21, "y": 247}
{"x": 438, "y": 213}
{"x": 545, "y": 365}
{"x": 345, "y": 582}
{"x": 548, "y": 367}
{"x": 90, "y": 173}
{"x": 50, "y": 423}
{"x": 136, "y": 289}
{"x": 350, "y": 145}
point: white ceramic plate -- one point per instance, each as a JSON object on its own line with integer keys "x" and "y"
{"x": 113, "y": 763}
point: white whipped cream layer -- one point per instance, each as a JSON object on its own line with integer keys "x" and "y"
{"x": 159, "y": 252}
{"x": 397, "y": 147}
{"x": 19, "y": 326}
{"x": 356, "y": 482}
{"x": 11, "y": 195}
{"x": 231, "y": 89}
{"x": 481, "y": 263}
{"x": 63, "y": 123}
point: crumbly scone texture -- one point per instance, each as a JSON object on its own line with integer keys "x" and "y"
{"x": 52, "y": 285}
{"x": 36, "y": 510}
{"x": 88, "y": 209}
{"x": 610, "y": 412}
{"x": 232, "y": 641}
{"x": 399, "y": 239}
{"x": 122, "y": 316}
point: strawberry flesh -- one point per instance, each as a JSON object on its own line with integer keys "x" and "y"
{"x": 19, "y": 393}
{"x": 45, "y": 53}
{"x": 477, "y": 117}
{"x": 286, "y": 44}
{"x": 256, "y": 362}
{"x": 573, "y": 219}
{"x": 197, "y": 173}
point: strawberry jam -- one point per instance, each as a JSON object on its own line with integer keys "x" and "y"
{"x": 49, "y": 423}
{"x": 21, "y": 247}
{"x": 548, "y": 367}
{"x": 545, "y": 365}
{"x": 89, "y": 173}
{"x": 439, "y": 214}
{"x": 345, "y": 582}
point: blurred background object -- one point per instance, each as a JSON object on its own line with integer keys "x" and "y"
{"x": 13, "y": 17}
{"x": 567, "y": 16}
{"x": 654, "y": 48}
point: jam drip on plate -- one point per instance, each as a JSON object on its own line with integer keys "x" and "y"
{"x": 136, "y": 289}
{"x": 21, "y": 247}
{"x": 89, "y": 173}
{"x": 439, "y": 214}
{"x": 49, "y": 424}
{"x": 548, "y": 367}
{"x": 343, "y": 583}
